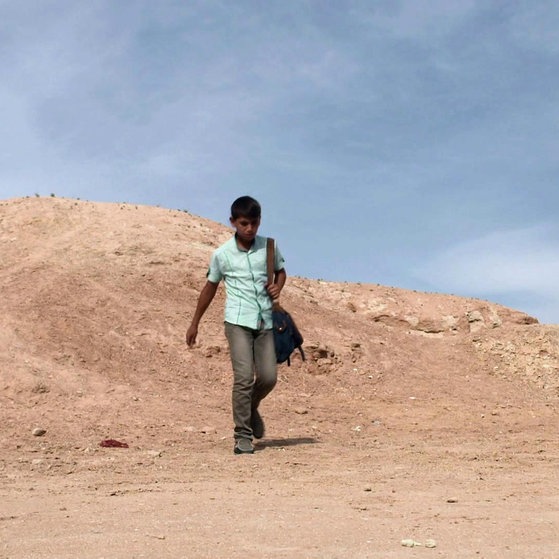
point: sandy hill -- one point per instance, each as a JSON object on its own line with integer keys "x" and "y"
{"x": 95, "y": 302}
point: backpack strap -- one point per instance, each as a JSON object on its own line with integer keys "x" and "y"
{"x": 270, "y": 258}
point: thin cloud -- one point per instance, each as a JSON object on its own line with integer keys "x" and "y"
{"x": 513, "y": 263}
{"x": 536, "y": 25}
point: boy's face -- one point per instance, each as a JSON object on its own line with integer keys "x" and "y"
{"x": 246, "y": 228}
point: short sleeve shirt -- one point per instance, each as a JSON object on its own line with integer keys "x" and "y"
{"x": 245, "y": 276}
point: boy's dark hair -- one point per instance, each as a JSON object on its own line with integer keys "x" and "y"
{"x": 245, "y": 206}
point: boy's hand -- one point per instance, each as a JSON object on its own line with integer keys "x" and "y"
{"x": 206, "y": 296}
{"x": 191, "y": 334}
{"x": 274, "y": 291}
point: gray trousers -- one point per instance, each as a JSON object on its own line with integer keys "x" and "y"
{"x": 253, "y": 357}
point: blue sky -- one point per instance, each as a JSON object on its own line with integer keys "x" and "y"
{"x": 407, "y": 143}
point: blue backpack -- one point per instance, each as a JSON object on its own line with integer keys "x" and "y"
{"x": 287, "y": 337}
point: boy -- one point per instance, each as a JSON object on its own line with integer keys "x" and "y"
{"x": 241, "y": 263}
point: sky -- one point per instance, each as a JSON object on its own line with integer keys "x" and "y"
{"x": 411, "y": 144}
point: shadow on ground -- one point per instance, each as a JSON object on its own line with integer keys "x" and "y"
{"x": 278, "y": 443}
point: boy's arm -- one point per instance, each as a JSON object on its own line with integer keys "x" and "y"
{"x": 206, "y": 297}
{"x": 274, "y": 290}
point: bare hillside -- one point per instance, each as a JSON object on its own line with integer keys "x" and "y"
{"x": 409, "y": 403}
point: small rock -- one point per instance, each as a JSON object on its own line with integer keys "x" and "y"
{"x": 430, "y": 543}
{"x": 410, "y": 543}
{"x": 321, "y": 353}
{"x": 474, "y": 316}
{"x": 213, "y": 350}
{"x": 39, "y": 432}
{"x": 301, "y": 411}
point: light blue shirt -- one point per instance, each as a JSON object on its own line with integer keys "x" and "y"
{"x": 245, "y": 276}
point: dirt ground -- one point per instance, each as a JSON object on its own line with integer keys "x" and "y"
{"x": 416, "y": 417}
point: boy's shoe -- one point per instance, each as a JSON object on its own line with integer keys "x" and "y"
{"x": 257, "y": 424}
{"x": 243, "y": 446}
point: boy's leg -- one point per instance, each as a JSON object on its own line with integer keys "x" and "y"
{"x": 266, "y": 376}
{"x": 241, "y": 348}
{"x": 265, "y": 364}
